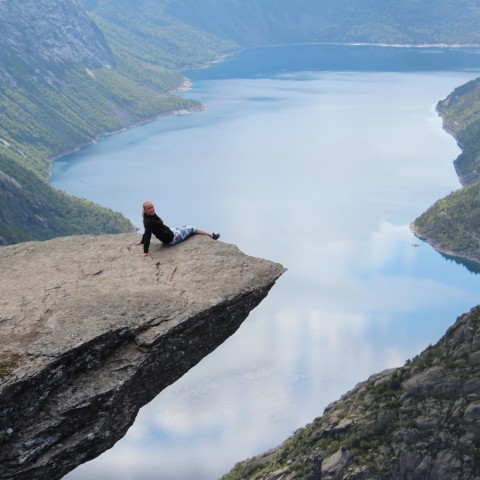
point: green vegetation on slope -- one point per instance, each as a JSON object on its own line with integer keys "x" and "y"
{"x": 44, "y": 120}
{"x": 33, "y": 210}
{"x": 452, "y": 224}
{"x": 461, "y": 116}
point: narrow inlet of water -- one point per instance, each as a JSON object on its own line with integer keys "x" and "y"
{"x": 320, "y": 169}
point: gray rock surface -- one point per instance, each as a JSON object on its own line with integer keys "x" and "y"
{"x": 417, "y": 422}
{"x": 91, "y": 332}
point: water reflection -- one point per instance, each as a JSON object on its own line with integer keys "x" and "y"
{"x": 470, "y": 265}
{"x": 323, "y": 175}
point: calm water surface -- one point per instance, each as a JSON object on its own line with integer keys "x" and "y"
{"x": 318, "y": 158}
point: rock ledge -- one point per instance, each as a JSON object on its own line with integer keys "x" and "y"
{"x": 91, "y": 332}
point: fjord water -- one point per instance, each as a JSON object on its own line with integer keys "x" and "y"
{"x": 317, "y": 157}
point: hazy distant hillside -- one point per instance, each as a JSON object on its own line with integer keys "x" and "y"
{"x": 177, "y": 33}
{"x": 143, "y": 32}
{"x": 261, "y": 22}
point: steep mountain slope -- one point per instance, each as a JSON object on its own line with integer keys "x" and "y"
{"x": 32, "y": 209}
{"x": 461, "y": 117}
{"x": 52, "y": 31}
{"x": 60, "y": 87}
{"x": 420, "y": 421}
{"x": 144, "y": 33}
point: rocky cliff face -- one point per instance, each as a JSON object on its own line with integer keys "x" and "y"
{"x": 91, "y": 332}
{"x": 52, "y": 31}
{"x": 419, "y": 422}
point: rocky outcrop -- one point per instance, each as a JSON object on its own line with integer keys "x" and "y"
{"x": 52, "y": 31}
{"x": 418, "y": 422}
{"x": 91, "y": 332}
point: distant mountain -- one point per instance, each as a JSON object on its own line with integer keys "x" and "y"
{"x": 71, "y": 70}
{"x": 145, "y": 32}
{"x": 265, "y": 22}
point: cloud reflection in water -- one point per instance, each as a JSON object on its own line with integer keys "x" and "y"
{"x": 323, "y": 181}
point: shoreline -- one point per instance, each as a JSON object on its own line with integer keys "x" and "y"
{"x": 187, "y": 83}
{"x": 184, "y": 87}
{"x": 346, "y": 44}
{"x": 435, "y": 245}
{"x": 355, "y": 44}
{"x": 427, "y": 239}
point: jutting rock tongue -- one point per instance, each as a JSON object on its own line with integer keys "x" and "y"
{"x": 91, "y": 332}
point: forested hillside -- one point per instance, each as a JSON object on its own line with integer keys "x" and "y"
{"x": 452, "y": 224}
{"x": 179, "y": 32}
{"x": 461, "y": 116}
{"x": 32, "y": 209}
{"x": 266, "y": 22}
{"x": 73, "y": 70}
{"x": 143, "y": 33}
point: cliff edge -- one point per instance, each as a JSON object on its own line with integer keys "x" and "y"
{"x": 91, "y": 332}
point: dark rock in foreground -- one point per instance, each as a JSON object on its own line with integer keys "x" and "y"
{"x": 91, "y": 332}
{"x": 417, "y": 422}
